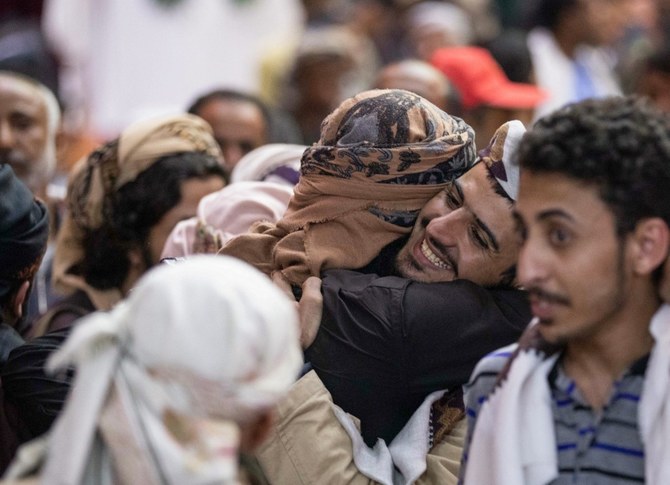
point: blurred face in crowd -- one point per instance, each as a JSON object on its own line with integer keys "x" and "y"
{"x": 321, "y": 79}
{"x": 464, "y": 232}
{"x": 238, "y": 125}
{"x": 655, "y": 85}
{"x": 25, "y": 142}
{"x": 417, "y": 77}
{"x": 604, "y": 21}
{"x": 192, "y": 190}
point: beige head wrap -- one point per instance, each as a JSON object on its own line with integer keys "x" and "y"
{"x": 96, "y": 178}
{"x": 382, "y": 155}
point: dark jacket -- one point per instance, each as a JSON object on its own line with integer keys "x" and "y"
{"x": 385, "y": 343}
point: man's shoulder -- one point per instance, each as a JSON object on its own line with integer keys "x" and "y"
{"x": 494, "y": 362}
{"x": 354, "y": 280}
{"x": 485, "y": 375}
{"x": 467, "y": 300}
{"x": 465, "y": 295}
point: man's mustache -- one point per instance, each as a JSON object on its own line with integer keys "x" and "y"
{"x": 535, "y": 292}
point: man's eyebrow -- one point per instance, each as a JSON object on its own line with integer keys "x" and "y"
{"x": 549, "y": 213}
{"x": 481, "y": 224}
{"x": 492, "y": 237}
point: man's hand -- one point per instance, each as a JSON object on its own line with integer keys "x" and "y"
{"x": 310, "y": 306}
{"x": 310, "y": 310}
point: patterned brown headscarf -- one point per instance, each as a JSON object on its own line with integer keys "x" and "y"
{"x": 96, "y": 178}
{"x": 382, "y": 155}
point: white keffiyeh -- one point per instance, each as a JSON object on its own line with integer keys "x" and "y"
{"x": 654, "y": 410}
{"x": 514, "y": 439}
{"x": 197, "y": 347}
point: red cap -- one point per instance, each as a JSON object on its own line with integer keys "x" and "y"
{"x": 481, "y": 81}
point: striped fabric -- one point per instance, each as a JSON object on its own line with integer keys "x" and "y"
{"x": 592, "y": 449}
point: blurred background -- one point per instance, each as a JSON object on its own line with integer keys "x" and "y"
{"x": 111, "y": 62}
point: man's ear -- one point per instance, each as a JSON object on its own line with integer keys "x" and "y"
{"x": 651, "y": 241}
{"x": 16, "y": 301}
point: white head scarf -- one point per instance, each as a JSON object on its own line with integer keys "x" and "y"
{"x": 275, "y": 162}
{"x": 514, "y": 439}
{"x": 225, "y": 214}
{"x": 441, "y": 16}
{"x": 207, "y": 338}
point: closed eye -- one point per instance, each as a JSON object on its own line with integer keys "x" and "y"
{"x": 478, "y": 239}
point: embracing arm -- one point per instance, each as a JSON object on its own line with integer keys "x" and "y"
{"x": 310, "y": 306}
{"x": 308, "y": 446}
{"x": 386, "y": 343}
{"x": 449, "y": 327}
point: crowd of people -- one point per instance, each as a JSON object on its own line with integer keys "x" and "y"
{"x": 431, "y": 245}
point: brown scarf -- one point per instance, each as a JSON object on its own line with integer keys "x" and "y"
{"x": 382, "y": 155}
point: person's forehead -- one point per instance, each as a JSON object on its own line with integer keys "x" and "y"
{"x": 546, "y": 193}
{"x": 17, "y": 95}
{"x": 481, "y": 198}
{"x": 477, "y": 177}
{"x": 431, "y": 89}
{"x": 222, "y": 112}
{"x": 474, "y": 179}
{"x": 230, "y": 105}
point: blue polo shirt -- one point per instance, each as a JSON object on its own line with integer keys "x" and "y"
{"x": 593, "y": 448}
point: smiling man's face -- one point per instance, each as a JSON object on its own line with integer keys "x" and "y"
{"x": 465, "y": 232}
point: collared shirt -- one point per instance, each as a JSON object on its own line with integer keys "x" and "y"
{"x": 595, "y": 448}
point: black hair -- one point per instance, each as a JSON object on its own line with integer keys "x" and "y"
{"x": 510, "y": 50}
{"x": 658, "y": 60}
{"x": 547, "y": 13}
{"x": 619, "y": 144}
{"x": 231, "y": 95}
{"x": 508, "y": 276}
{"x": 497, "y": 188}
{"x": 135, "y": 208}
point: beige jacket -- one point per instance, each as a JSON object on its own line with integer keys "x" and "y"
{"x": 309, "y": 446}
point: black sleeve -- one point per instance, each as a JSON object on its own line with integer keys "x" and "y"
{"x": 448, "y": 327}
{"x": 9, "y": 340}
{"x": 386, "y": 343}
{"x": 356, "y": 352}
{"x": 38, "y": 397}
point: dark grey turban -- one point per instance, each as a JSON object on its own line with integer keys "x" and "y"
{"x": 24, "y": 230}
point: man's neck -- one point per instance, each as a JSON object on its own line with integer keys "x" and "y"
{"x": 597, "y": 361}
{"x": 384, "y": 262}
